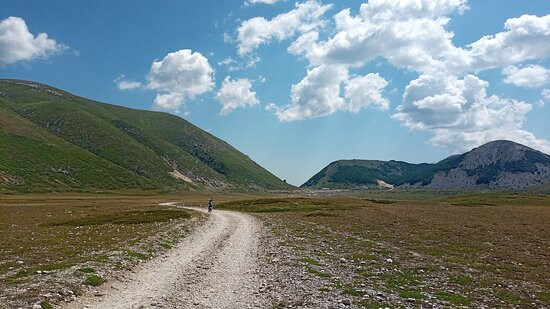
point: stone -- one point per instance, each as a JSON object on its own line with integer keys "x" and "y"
{"x": 346, "y": 301}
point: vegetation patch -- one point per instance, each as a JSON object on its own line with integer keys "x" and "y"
{"x": 410, "y": 294}
{"x": 453, "y": 298}
{"x": 509, "y": 297}
{"x": 94, "y": 280}
{"x": 125, "y": 218}
{"x": 87, "y": 270}
{"x": 137, "y": 255}
{"x": 317, "y": 273}
{"x": 45, "y": 305}
{"x": 461, "y": 279}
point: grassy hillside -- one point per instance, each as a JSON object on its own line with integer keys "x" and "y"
{"x": 54, "y": 141}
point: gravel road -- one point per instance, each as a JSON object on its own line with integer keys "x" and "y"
{"x": 215, "y": 267}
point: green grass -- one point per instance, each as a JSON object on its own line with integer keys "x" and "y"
{"x": 349, "y": 290}
{"x": 509, "y": 297}
{"x": 410, "y": 294}
{"x": 87, "y": 270}
{"x": 317, "y": 273}
{"x": 125, "y": 218}
{"x": 137, "y": 255}
{"x": 453, "y": 298}
{"x": 166, "y": 246}
{"x": 94, "y": 280}
{"x": 461, "y": 279}
{"x": 68, "y": 143}
{"x": 45, "y": 305}
{"x": 404, "y": 280}
{"x": 543, "y": 296}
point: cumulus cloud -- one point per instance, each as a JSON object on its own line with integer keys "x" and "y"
{"x": 461, "y": 115}
{"x": 18, "y": 44}
{"x": 168, "y": 101}
{"x": 364, "y": 91}
{"x": 409, "y": 34}
{"x": 318, "y": 94}
{"x": 531, "y": 76}
{"x": 258, "y": 30}
{"x": 124, "y": 84}
{"x": 181, "y": 74}
{"x": 236, "y": 93}
{"x": 525, "y": 38}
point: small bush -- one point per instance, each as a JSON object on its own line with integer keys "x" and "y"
{"x": 94, "y": 280}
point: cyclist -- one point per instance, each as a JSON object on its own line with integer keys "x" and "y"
{"x": 210, "y": 205}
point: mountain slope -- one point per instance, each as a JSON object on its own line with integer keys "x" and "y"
{"x": 52, "y": 140}
{"x": 498, "y": 164}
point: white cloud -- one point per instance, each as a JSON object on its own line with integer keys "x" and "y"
{"x": 18, "y": 44}
{"x": 525, "y": 38}
{"x": 168, "y": 101}
{"x": 461, "y": 115}
{"x": 234, "y": 65}
{"x": 181, "y": 74}
{"x": 364, "y": 91}
{"x": 124, "y": 84}
{"x": 258, "y": 30}
{"x": 236, "y": 93}
{"x": 531, "y": 76}
{"x": 318, "y": 94}
{"x": 227, "y": 61}
{"x": 409, "y": 34}
{"x": 252, "y": 2}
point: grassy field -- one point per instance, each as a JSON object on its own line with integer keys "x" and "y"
{"x": 399, "y": 249}
{"x": 417, "y": 248}
{"x": 53, "y": 247}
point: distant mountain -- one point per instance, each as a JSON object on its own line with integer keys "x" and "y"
{"x": 51, "y": 140}
{"x": 495, "y": 165}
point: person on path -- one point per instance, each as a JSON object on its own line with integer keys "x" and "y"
{"x": 210, "y": 205}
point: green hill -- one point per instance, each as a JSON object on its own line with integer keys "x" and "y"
{"x": 496, "y": 165}
{"x": 51, "y": 140}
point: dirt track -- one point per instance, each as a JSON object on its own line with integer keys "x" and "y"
{"x": 215, "y": 267}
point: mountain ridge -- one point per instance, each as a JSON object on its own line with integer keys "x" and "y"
{"x": 498, "y": 164}
{"x": 55, "y": 141}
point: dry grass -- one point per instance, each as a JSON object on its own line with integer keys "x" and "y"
{"x": 53, "y": 244}
{"x": 480, "y": 249}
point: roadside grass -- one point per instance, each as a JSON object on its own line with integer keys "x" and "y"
{"x": 314, "y": 206}
{"x": 137, "y": 255}
{"x": 126, "y": 218}
{"x": 54, "y": 242}
{"x": 87, "y": 270}
{"x": 457, "y": 250}
{"x": 94, "y": 280}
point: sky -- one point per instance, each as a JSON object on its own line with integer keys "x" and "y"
{"x": 296, "y": 85}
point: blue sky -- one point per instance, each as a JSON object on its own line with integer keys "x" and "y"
{"x": 297, "y": 85}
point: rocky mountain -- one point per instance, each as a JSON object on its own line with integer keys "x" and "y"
{"x": 495, "y": 165}
{"x": 51, "y": 140}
